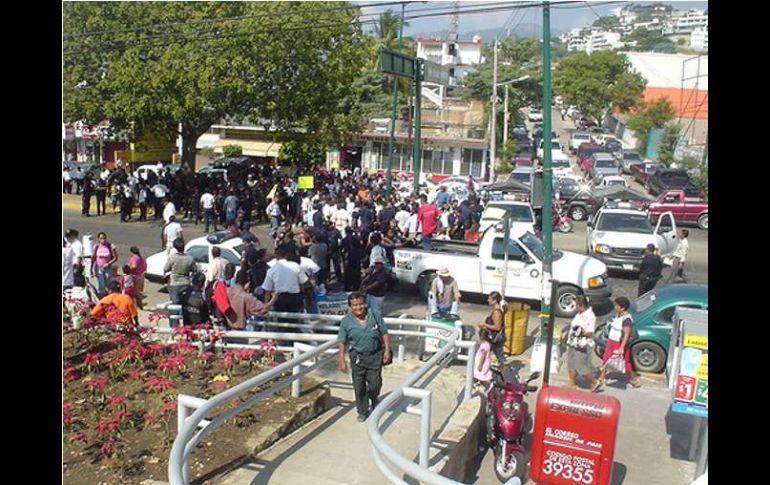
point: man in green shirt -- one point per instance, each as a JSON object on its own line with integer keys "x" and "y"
{"x": 364, "y": 334}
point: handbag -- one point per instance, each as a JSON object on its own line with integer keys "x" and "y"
{"x": 615, "y": 363}
{"x": 493, "y": 338}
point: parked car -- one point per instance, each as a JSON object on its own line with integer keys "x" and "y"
{"x": 642, "y": 171}
{"x": 522, "y": 160}
{"x": 685, "y": 209}
{"x": 577, "y": 139}
{"x": 535, "y": 114}
{"x": 520, "y": 131}
{"x": 602, "y": 165}
{"x": 618, "y": 237}
{"x": 653, "y": 315}
{"x": 524, "y": 147}
{"x": 521, "y": 215}
{"x": 211, "y": 172}
{"x": 200, "y": 249}
{"x": 613, "y": 180}
{"x": 482, "y": 264}
{"x": 628, "y": 158}
{"x": 560, "y": 164}
{"x": 566, "y": 187}
{"x": 555, "y": 145}
{"x": 584, "y": 153}
{"x": 522, "y": 174}
{"x": 612, "y": 145}
{"x": 225, "y": 162}
{"x": 667, "y": 179}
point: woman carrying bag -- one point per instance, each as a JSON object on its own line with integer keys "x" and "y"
{"x": 492, "y": 329}
{"x": 580, "y": 345}
{"x": 617, "y": 355}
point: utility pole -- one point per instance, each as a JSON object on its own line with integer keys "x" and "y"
{"x": 417, "y": 153}
{"x": 391, "y": 140}
{"x": 505, "y": 119}
{"x": 547, "y": 218}
{"x": 493, "y": 135}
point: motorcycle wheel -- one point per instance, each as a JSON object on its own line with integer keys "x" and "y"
{"x": 513, "y": 468}
{"x": 565, "y": 226}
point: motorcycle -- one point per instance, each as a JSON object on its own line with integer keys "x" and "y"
{"x": 561, "y": 220}
{"x": 508, "y": 422}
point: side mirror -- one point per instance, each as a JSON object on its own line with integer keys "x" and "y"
{"x": 535, "y": 375}
{"x": 590, "y": 224}
{"x": 527, "y": 259}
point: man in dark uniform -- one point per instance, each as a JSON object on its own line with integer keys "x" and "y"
{"x": 86, "y": 193}
{"x": 365, "y": 336}
{"x": 650, "y": 270}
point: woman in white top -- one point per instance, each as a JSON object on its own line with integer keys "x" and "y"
{"x": 580, "y": 345}
{"x": 619, "y": 341}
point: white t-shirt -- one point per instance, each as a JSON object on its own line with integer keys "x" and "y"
{"x": 377, "y": 251}
{"x": 172, "y": 231}
{"x": 169, "y": 211}
{"x": 586, "y": 320}
{"x": 67, "y": 273}
{"x": 159, "y": 190}
{"x": 412, "y": 224}
{"x": 401, "y": 217}
{"x": 307, "y": 204}
{"x": 284, "y": 277}
{"x": 77, "y": 251}
{"x": 341, "y": 219}
{"x": 327, "y": 210}
{"x": 207, "y": 201}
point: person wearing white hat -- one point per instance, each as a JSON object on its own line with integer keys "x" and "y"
{"x": 444, "y": 295}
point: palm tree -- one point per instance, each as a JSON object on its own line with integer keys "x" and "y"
{"x": 387, "y": 30}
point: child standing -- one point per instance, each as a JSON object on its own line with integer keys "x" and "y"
{"x": 127, "y": 282}
{"x": 481, "y": 368}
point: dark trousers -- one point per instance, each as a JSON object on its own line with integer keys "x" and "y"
{"x": 125, "y": 209}
{"x": 646, "y": 284}
{"x": 335, "y": 260}
{"x": 366, "y": 370}
{"x": 210, "y": 219}
{"x": 101, "y": 203}
{"x": 353, "y": 277}
{"x": 86, "y": 205}
{"x": 288, "y": 302}
{"x": 142, "y": 211}
{"x": 158, "y": 208}
{"x": 497, "y": 349}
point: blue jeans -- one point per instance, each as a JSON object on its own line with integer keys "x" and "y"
{"x": 275, "y": 223}
{"x": 175, "y": 293}
{"x": 426, "y": 241}
{"x": 210, "y": 219}
{"x": 375, "y": 302}
{"x": 103, "y": 275}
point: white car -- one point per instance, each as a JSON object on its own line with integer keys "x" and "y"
{"x": 144, "y": 170}
{"x": 577, "y": 139}
{"x": 613, "y": 180}
{"x": 560, "y": 164}
{"x": 535, "y": 115}
{"x": 521, "y": 214}
{"x": 522, "y": 174}
{"x": 555, "y": 145}
{"x": 200, "y": 249}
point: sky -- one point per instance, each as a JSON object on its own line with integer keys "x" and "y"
{"x": 561, "y": 19}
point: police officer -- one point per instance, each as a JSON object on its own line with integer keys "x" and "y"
{"x": 364, "y": 334}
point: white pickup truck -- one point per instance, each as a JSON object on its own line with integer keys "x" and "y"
{"x": 478, "y": 268}
{"x": 618, "y": 237}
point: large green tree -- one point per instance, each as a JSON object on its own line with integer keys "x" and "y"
{"x": 158, "y": 66}
{"x": 597, "y": 81}
{"x": 650, "y": 115}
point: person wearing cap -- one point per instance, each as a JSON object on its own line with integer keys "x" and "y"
{"x": 126, "y": 309}
{"x": 375, "y": 284}
{"x": 364, "y": 335}
{"x": 442, "y": 197}
{"x": 444, "y": 295}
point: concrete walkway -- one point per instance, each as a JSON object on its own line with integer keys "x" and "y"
{"x": 335, "y": 448}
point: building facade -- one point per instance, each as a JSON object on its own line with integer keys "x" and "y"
{"x": 699, "y": 39}
{"x": 602, "y": 41}
{"x": 459, "y": 56}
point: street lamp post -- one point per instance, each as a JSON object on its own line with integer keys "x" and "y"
{"x": 493, "y": 124}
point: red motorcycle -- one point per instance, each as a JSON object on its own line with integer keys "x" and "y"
{"x": 561, "y": 220}
{"x": 508, "y": 421}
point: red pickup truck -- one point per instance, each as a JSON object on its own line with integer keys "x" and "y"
{"x": 685, "y": 209}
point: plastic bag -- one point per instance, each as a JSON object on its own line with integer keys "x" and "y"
{"x": 616, "y": 363}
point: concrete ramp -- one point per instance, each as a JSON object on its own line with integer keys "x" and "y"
{"x": 334, "y": 448}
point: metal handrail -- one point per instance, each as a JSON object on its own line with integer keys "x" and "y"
{"x": 186, "y": 441}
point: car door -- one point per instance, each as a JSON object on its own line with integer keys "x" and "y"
{"x": 665, "y": 232}
{"x": 523, "y": 273}
{"x": 590, "y": 225}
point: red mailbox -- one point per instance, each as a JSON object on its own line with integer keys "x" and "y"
{"x": 574, "y": 437}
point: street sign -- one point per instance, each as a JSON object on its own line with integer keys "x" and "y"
{"x": 435, "y": 73}
{"x": 397, "y": 64}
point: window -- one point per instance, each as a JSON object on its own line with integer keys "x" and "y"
{"x": 671, "y": 199}
{"x": 471, "y": 162}
{"x": 231, "y": 257}
{"x": 199, "y": 253}
{"x": 667, "y": 315}
{"x": 514, "y": 250}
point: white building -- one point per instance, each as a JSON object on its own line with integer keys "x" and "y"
{"x": 602, "y": 41}
{"x": 689, "y": 22}
{"x": 699, "y": 39}
{"x": 460, "y": 56}
{"x": 577, "y": 44}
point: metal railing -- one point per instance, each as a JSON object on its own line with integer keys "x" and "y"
{"x": 194, "y": 426}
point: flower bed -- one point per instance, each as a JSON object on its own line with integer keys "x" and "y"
{"x": 120, "y": 399}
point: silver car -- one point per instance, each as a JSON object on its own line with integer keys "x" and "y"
{"x": 603, "y": 164}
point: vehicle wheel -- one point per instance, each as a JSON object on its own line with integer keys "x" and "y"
{"x": 565, "y": 301}
{"x": 565, "y": 226}
{"x": 648, "y": 357}
{"x": 703, "y": 222}
{"x": 505, "y": 470}
{"x": 423, "y": 284}
{"x": 577, "y": 213}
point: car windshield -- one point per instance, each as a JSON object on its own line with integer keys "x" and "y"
{"x": 605, "y": 164}
{"x": 615, "y": 182}
{"x": 521, "y": 177}
{"x": 560, "y": 163}
{"x": 518, "y": 213}
{"x": 581, "y": 137}
{"x": 622, "y": 222}
{"x": 631, "y": 156}
{"x": 534, "y": 244}
{"x": 675, "y": 178}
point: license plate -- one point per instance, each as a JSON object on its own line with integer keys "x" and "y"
{"x": 628, "y": 267}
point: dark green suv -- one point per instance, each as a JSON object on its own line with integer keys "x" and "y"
{"x": 653, "y": 313}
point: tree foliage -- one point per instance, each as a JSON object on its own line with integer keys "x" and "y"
{"x": 285, "y": 61}
{"x": 231, "y": 151}
{"x": 650, "y": 115}
{"x": 668, "y": 143}
{"x": 303, "y": 152}
{"x": 594, "y": 82}
{"x": 648, "y": 40}
{"x": 610, "y": 22}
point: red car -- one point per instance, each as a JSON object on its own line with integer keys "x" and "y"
{"x": 685, "y": 209}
